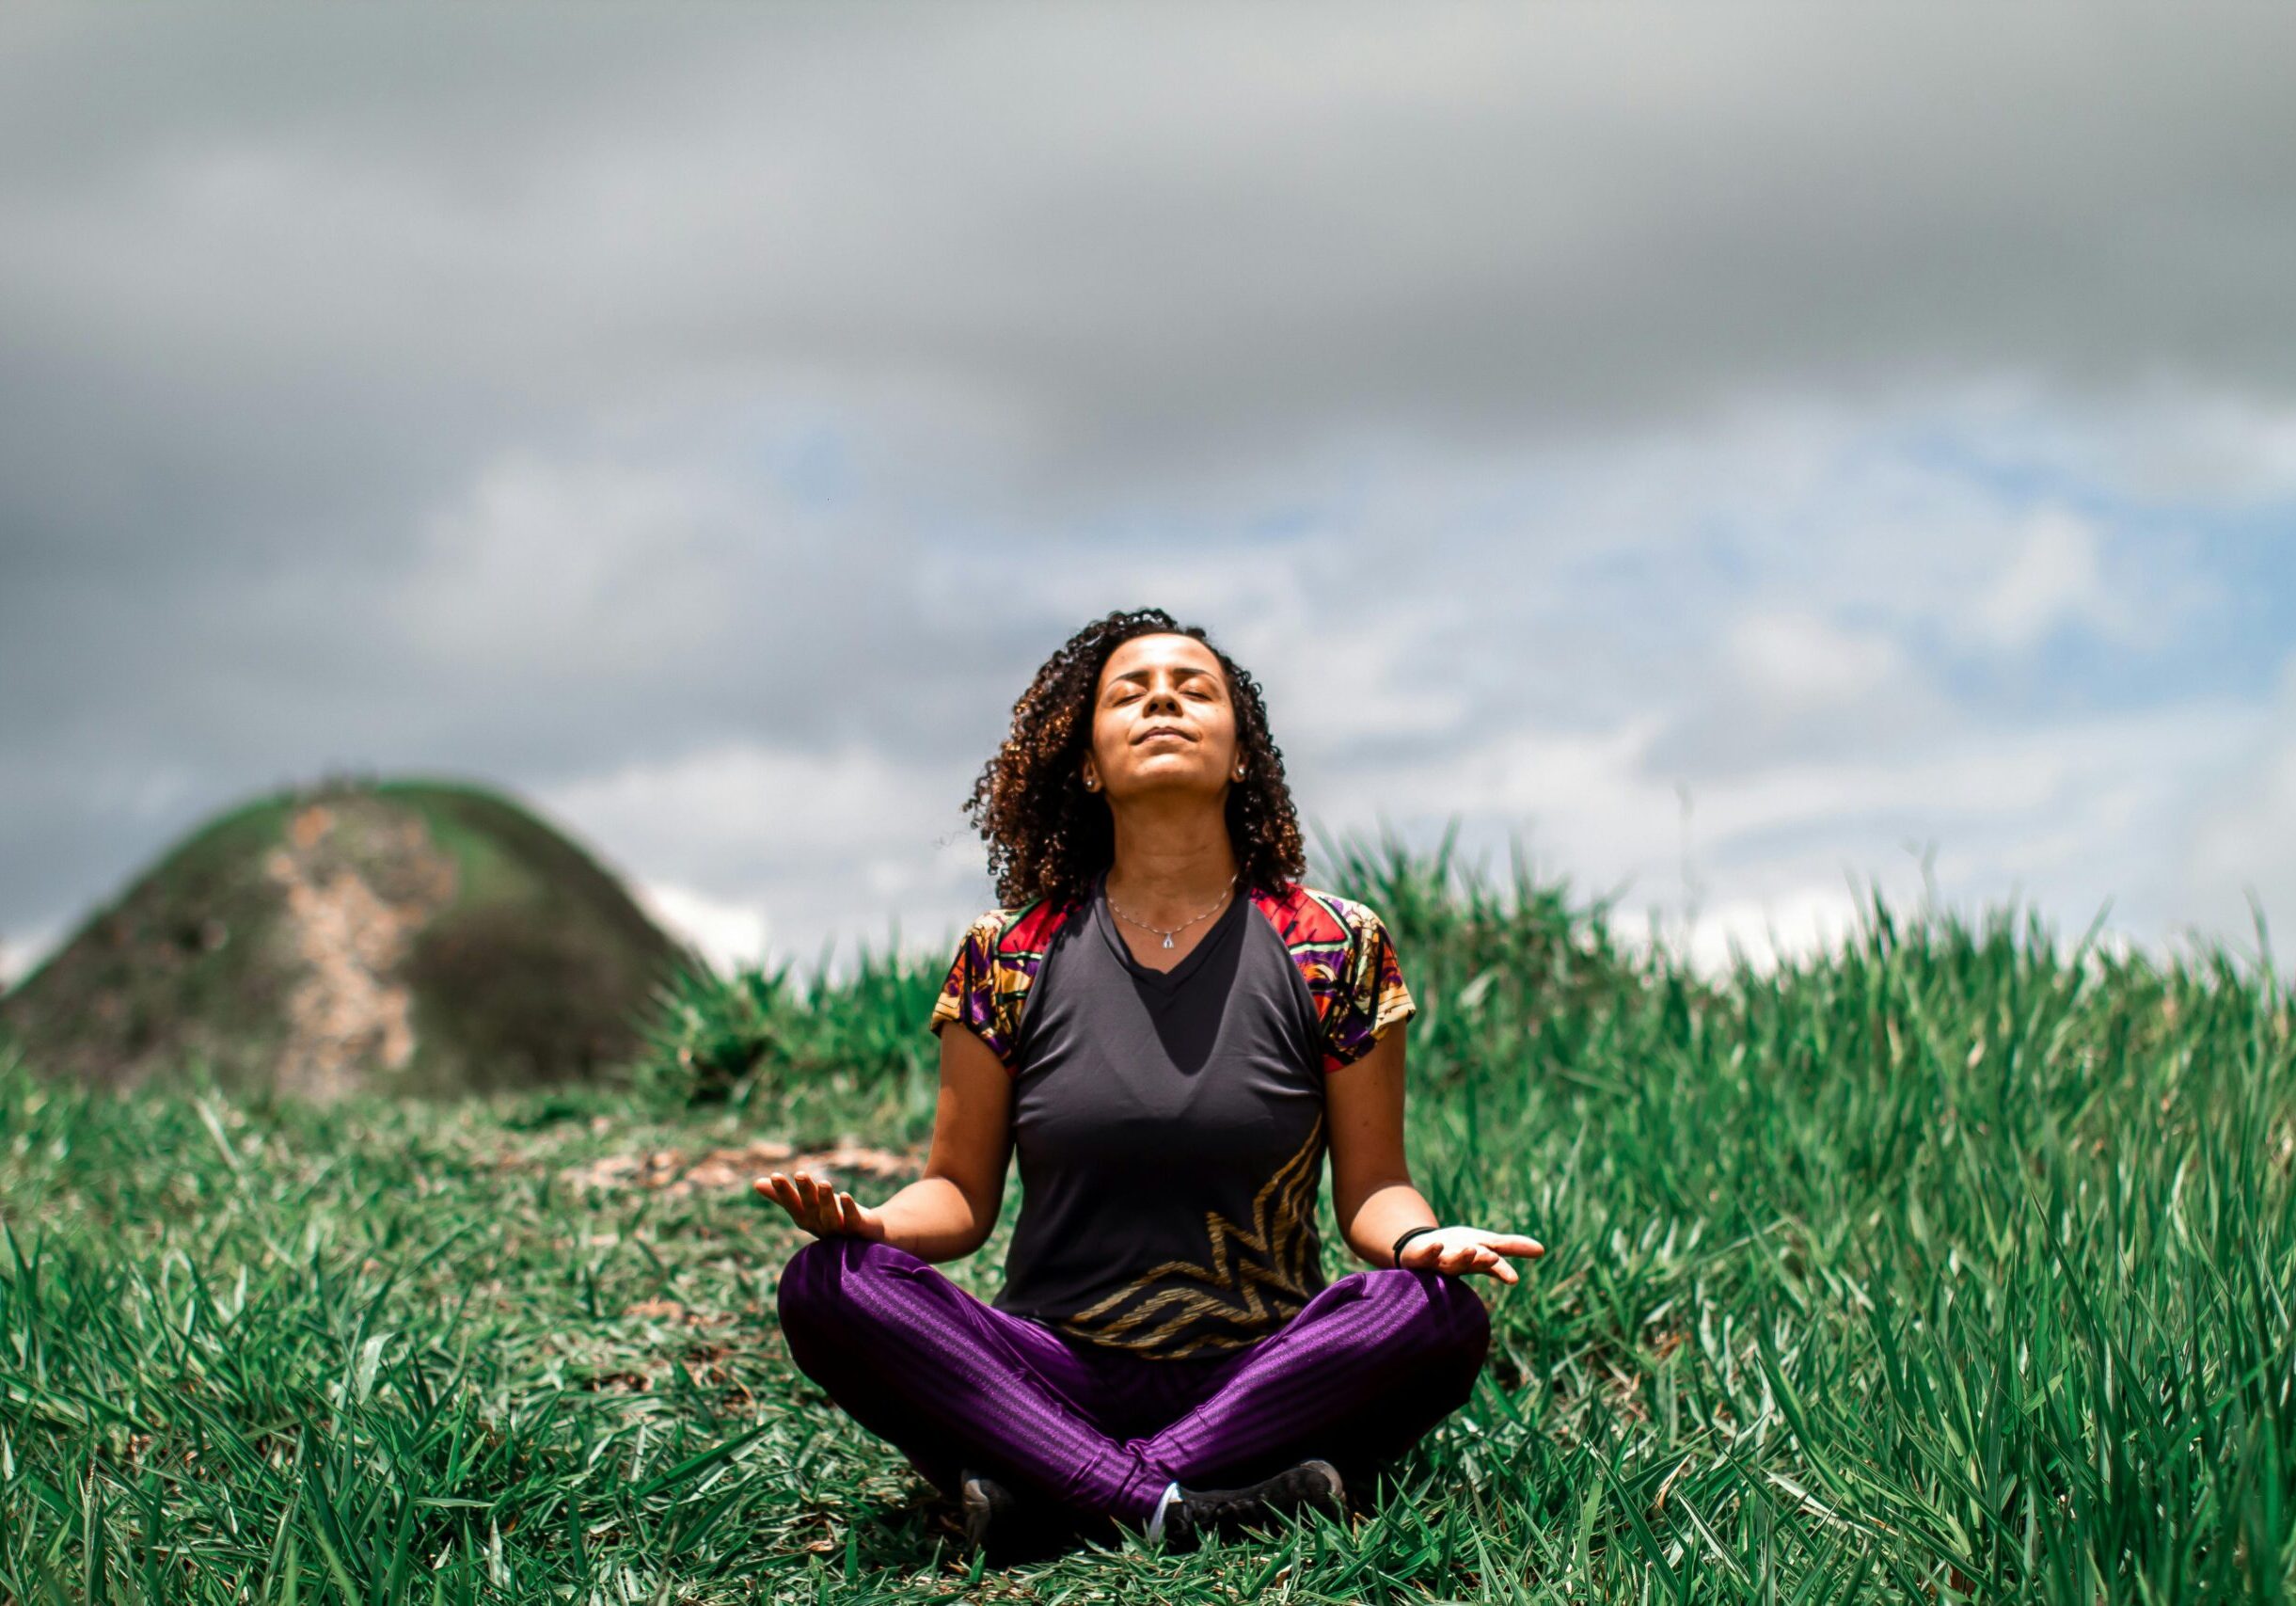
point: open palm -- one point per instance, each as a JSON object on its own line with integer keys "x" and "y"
{"x": 824, "y": 1211}
{"x": 1462, "y": 1249}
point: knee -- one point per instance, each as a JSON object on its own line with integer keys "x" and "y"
{"x": 1448, "y": 1322}
{"x": 819, "y": 1281}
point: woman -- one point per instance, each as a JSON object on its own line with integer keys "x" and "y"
{"x": 1173, "y": 1031}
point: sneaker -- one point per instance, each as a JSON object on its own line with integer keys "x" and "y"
{"x": 1201, "y": 1513}
{"x": 1005, "y": 1526}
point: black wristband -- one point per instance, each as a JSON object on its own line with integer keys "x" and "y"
{"x": 1406, "y": 1238}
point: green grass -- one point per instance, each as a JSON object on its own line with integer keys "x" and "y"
{"x": 1936, "y": 1267}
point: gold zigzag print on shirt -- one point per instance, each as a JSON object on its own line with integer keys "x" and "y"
{"x": 1276, "y": 1253}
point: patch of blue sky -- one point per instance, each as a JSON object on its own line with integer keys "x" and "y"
{"x": 2252, "y": 555}
{"x": 1704, "y": 563}
{"x": 2221, "y": 572}
{"x": 815, "y": 466}
{"x": 1990, "y": 457}
{"x": 2226, "y": 582}
{"x": 1289, "y": 522}
{"x": 803, "y": 455}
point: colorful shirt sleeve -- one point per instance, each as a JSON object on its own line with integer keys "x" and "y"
{"x": 1370, "y": 995}
{"x": 969, "y": 994}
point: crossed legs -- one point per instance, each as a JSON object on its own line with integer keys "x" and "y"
{"x": 1359, "y": 1375}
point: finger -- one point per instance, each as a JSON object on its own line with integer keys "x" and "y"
{"x": 848, "y": 1213}
{"x": 825, "y": 1208}
{"x": 797, "y": 1193}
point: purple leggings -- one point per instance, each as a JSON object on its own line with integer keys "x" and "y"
{"x": 1357, "y": 1377}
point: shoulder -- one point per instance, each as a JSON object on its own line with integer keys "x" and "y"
{"x": 996, "y": 961}
{"x": 1020, "y": 930}
{"x": 1345, "y": 955}
{"x": 1309, "y": 918}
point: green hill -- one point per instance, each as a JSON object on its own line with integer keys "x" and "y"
{"x": 402, "y": 935}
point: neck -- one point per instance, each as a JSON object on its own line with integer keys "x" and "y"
{"x": 1168, "y": 867}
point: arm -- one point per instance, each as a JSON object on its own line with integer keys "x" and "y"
{"x": 1371, "y": 1190}
{"x": 948, "y": 1212}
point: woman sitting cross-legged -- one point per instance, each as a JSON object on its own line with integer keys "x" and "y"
{"x": 1173, "y": 1031}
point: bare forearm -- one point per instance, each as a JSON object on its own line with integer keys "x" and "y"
{"x": 1387, "y": 1211}
{"x": 933, "y": 1219}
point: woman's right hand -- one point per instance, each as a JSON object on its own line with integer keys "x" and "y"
{"x": 820, "y": 1209}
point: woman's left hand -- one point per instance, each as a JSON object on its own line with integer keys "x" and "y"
{"x": 1462, "y": 1249}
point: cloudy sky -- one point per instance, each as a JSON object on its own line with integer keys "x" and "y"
{"x": 1736, "y": 461}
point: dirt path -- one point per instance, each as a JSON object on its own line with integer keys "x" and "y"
{"x": 349, "y": 1012}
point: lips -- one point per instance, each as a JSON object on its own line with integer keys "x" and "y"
{"x": 1155, "y": 731}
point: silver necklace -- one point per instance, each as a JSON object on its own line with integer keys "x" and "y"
{"x": 1183, "y": 925}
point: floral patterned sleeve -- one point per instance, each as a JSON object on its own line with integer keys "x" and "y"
{"x": 969, "y": 994}
{"x": 1370, "y": 997}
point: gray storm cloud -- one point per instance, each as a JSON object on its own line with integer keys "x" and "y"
{"x": 540, "y": 394}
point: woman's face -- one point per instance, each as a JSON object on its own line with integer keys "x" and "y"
{"x": 1162, "y": 721}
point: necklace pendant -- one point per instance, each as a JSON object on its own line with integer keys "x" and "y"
{"x": 1167, "y": 939}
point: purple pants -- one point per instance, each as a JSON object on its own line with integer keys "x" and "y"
{"x": 1357, "y": 1377}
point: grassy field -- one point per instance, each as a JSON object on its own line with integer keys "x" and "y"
{"x": 1934, "y": 1268}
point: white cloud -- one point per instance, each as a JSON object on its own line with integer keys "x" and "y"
{"x": 731, "y": 935}
{"x": 2050, "y": 576}
{"x": 764, "y": 805}
{"x": 22, "y": 952}
{"x": 790, "y": 854}
{"x": 589, "y": 563}
{"x": 1795, "y": 661}
{"x": 2056, "y": 813}
{"x": 1767, "y": 931}
{"x": 2057, "y": 573}
{"x": 2236, "y": 843}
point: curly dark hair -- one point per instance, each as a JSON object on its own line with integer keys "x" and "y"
{"x": 1049, "y": 837}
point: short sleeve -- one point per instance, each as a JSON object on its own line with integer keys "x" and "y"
{"x": 968, "y": 993}
{"x": 1370, "y": 995}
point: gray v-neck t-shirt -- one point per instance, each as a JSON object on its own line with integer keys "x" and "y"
{"x": 1170, "y": 1132}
